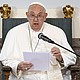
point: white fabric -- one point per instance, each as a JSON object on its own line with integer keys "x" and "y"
{"x": 38, "y": 4}
{"x": 18, "y": 41}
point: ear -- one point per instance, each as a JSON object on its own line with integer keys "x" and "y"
{"x": 27, "y": 14}
{"x": 45, "y": 16}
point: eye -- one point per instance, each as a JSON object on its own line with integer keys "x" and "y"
{"x": 32, "y": 15}
{"x": 39, "y": 15}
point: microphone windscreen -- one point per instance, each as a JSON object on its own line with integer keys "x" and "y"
{"x": 40, "y": 35}
{"x": 45, "y": 38}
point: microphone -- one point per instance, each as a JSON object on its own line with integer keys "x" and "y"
{"x": 45, "y": 38}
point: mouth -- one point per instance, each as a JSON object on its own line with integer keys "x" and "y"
{"x": 36, "y": 24}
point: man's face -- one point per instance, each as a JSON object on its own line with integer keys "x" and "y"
{"x": 36, "y": 16}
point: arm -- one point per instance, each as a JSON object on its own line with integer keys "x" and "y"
{"x": 62, "y": 54}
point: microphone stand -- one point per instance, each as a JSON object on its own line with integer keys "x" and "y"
{"x": 45, "y": 38}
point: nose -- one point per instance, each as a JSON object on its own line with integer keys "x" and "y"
{"x": 35, "y": 18}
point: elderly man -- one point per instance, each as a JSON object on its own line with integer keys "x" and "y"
{"x": 24, "y": 38}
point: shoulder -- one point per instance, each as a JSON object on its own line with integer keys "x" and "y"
{"x": 54, "y": 32}
{"x": 19, "y": 27}
{"x": 17, "y": 30}
{"x": 53, "y": 28}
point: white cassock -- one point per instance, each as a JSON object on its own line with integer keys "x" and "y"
{"x": 22, "y": 39}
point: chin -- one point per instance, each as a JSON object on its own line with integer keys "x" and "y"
{"x": 36, "y": 29}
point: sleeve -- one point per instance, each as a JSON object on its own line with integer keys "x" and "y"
{"x": 8, "y": 53}
{"x": 68, "y": 57}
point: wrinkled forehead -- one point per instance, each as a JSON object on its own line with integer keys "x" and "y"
{"x": 36, "y": 7}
